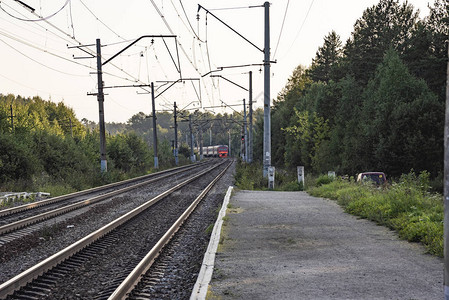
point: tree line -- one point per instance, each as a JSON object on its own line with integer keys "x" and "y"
{"x": 44, "y": 146}
{"x": 374, "y": 103}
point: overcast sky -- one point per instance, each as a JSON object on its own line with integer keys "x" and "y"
{"x": 38, "y": 58}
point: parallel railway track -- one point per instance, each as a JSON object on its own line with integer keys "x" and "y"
{"x": 146, "y": 224}
{"x": 15, "y": 218}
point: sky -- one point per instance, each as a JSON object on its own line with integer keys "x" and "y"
{"x": 48, "y": 52}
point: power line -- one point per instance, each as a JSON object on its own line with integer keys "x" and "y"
{"x": 190, "y": 24}
{"x": 282, "y": 27}
{"x": 32, "y": 11}
{"x": 44, "y": 65}
{"x": 71, "y": 39}
{"x": 179, "y": 43}
{"x": 302, "y": 25}
{"x": 98, "y": 19}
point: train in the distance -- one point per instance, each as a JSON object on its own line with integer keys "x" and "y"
{"x": 216, "y": 151}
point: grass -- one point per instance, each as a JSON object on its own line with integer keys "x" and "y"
{"x": 250, "y": 177}
{"x": 406, "y": 207}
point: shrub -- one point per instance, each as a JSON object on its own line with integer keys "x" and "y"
{"x": 406, "y": 207}
{"x": 324, "y": 179}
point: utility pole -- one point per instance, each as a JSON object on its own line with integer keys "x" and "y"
{"x": 210, "y": 135}
{"x": 229, "y": 142}
{"x": 156, "y": 162}
{"x": 100, "y": 98}
{"x": 176, "y": 134}
{"x": 192, "y": 155}
{"x": 266, "y": 98}
{"x": 446, "y": 190}
{"x": 200, "y": 146}
{"x": 245, "y": 131}
{"x": 250, "y": 133}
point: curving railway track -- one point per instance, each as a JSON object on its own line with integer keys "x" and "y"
{"x": 107, "y": 263}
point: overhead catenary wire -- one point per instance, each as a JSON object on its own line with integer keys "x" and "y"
{"x": 40, "y": 18}
{"x": 300, "y": 27}
{"x": 42, "y": 64}
{"x": 99, "y": 20}
{"x": 190, "y": 24}
{"x": 73, "y": 39}
{"x": 282, "y": 27}
{"x": 161, "y": 15}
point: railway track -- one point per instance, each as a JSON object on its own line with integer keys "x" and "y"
{"x": 18, "y": 221}
{"x": 120, "y": 250}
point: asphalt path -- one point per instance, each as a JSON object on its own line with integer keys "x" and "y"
{"x": 289, "y": 245}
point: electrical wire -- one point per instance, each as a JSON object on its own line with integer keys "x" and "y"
{"x": 302, "y": 25}
{"x": 40, "y": 17}
{"x": 233, "y": 8}
{"x": 73, "y": 39}
{"x": 179, "y": 43}
{"x": 67, "y": 40}
{"x": 98, "y": 19}
{"x": 31, "y": 88}
{"x": 190, "y": 24}
{"x": 282, "y": 27}
{"x": 42, "y": 64}
{"x": 71, "y": 19}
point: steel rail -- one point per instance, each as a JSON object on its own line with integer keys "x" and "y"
{"x": 144, "y": 265}
{"x": 32, "y": 273}
{"x": 20, "y": 208}
{"x": 59, "y": 211}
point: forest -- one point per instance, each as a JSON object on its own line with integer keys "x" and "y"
{"x": 373, "y": 103}
{"x": 43, "y": 146}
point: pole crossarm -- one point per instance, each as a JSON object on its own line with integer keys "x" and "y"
{"x": 235, "y": 31}
{"x": 126, "y": 86}
{"x": 172, "y": 83}
{"x": 178, "y": 68}
{"x": 228, "y": 80}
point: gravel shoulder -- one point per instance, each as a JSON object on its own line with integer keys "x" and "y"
{"x": 289, "y": 245}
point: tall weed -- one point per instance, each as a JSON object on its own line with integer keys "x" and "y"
{"x": 405, "y": 206}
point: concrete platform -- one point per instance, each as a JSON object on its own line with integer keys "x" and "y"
{"x": 289, "y": 245}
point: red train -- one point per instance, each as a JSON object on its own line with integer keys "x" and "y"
{"x": 216, "y": 151}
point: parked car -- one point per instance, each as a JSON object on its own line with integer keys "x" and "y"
{"x": 377, "y": 178}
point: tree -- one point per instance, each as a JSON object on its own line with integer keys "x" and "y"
{"x": 326, "y": 59}
{"x": 386, "y": 25}
{"x": 403, "y": 121}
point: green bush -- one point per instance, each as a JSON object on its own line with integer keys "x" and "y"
{"x": 406, "y": 206}
{"x": 324, "y": 179}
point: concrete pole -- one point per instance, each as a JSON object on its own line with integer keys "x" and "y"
{"x": 266, "y": 96}
{"x": 245, "y": 132}
{"x": 156, "y": 160}
{"x": 229, "y": 142}
{"x": 100, "y": 98}
{"x": 192, "y": 154}
{"x": 201, "y": 142}
{"x": 210, "y": 135}
{"x": 250, "y": 133}
{"x": 446, "y": 190}
{"x": 175, "y": 116}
